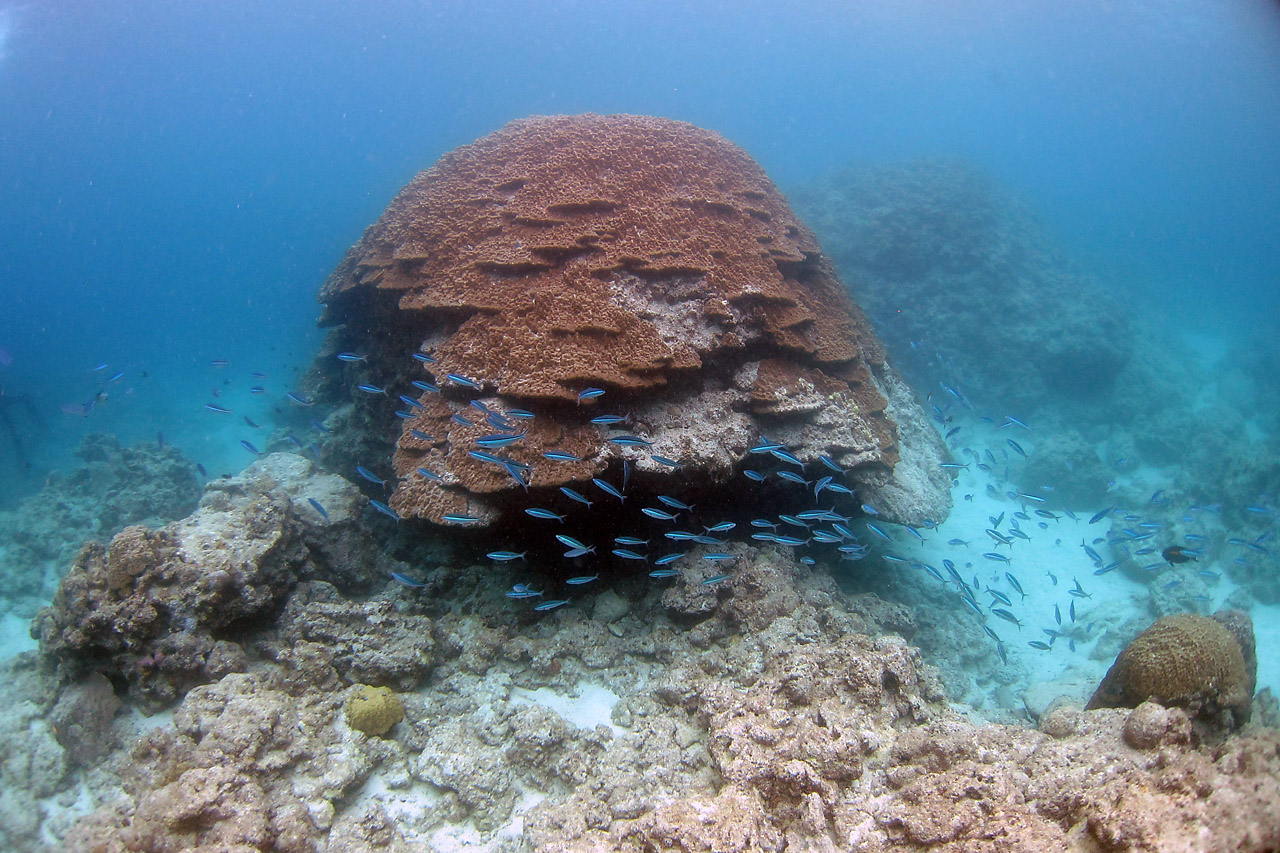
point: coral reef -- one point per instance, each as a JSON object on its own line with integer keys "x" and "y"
{"x": 640, "y": 256}
{"x": 116, "y": 486}
{"x": 1190, "y": 661}
{"x": 161, "y": 611}
{"x": 373, "y": 710}
{"x": 934, "y": 250}
{"x": 769, "y": 710}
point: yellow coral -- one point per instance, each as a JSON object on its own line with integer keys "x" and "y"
{"x": 1183, "y": 660}
{"x": 374, "y": 710}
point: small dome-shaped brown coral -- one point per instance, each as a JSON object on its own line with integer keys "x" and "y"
{"x": 1184, "y": 660}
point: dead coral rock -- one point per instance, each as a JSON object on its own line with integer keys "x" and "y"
{"x": 368, "y": 642}
{"x": 1150, "y": 726}
{"x": 640, "y": 255}
{"x": 244, "y": 766}
{"x": 965, "y": 787}
{"x": 82, "y": 717}
{"x": 163, "y": 610}
{"x": 1187, "y": 661}
{"x": 735, "y": 819}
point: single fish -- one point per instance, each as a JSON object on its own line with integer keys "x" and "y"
{"x": 754, "y": 475}
{"x": 793, "y": 477}
{"x": 630, "y": 441}
{"x": 425, "y": 386}
{"x": 221, "y": 410}
{"x": 629, "y": 540}
{"x": 459, "y": 518}
{"x": 370, "y": 476}
{"x": 552, "y": 604}
{"x": 405, "y": 580}
{"x": 424, "y": 358}
{"x": 714, "y": 579}
{"x": 561, "y": 456}
{"x": 300, "y": 400}
{"x": 249, "y": 447}
{"x": 629, "y": 555}
{"x": 568, "y": 541}
{"x": 605, "y": 487}
{"x": 999, "y": 558}
{"x": 662, "y": 460}
{"x": 579, "y": 581}
{"x": 765, "y": 447}
{"x": 665, "y": 573}
{"x": 606, "y": 420}
{"x": 1017, "y": 447}
{"x": 674, "y": 503}
{"x": 371, "y": 389}
{"x": 660, "y": 514}
{"x": 500, "y": 439}
{"x": 350, "y": 356}
{"x": 575, "y": 495}
{"x": 668, "y": 558}
{"x": 877, "y": 531}
{"x": 1101, "y": 514}
{"x": 459, "y": 379}
{"x": 579, "y": 552}
{"x": 505, "y": 556}
{"x": 722, "y": 527}
{"x": 786, "y": 456}
{"x": 1007, "y": 616}
{"x": 385, "y": 510}
{"x": 589, "y": 394}
{"x": 1039, "y": 644}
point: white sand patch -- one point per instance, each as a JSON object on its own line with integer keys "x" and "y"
{"x": 15, "y": 635}
{"x": 593, "y": 706}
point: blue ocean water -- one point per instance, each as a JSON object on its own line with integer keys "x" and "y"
{"x": 178, "y": 179}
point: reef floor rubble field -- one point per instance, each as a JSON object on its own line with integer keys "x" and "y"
{"x": 789, "y": 714}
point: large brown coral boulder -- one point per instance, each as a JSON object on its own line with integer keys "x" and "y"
{"x": 642, "y": 256}
{"x": 1186, "y": 661}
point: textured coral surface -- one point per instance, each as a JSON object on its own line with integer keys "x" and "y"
{"x": 771, "y": 711}
{"x": 1185, "y": 660}
{"x": 643, "y": 256}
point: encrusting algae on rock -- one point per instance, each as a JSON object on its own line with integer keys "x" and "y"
{"x": 374, "y": 710}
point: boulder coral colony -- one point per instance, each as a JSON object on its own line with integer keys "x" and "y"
{"x": 765, "y": 710}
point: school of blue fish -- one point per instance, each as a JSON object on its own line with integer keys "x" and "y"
{"x": 827, "y": 520}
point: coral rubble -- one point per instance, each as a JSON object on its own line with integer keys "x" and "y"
{"x": 641, "y": 256}
{"x": 769, "y": 711}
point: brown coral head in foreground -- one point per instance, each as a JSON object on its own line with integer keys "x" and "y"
{"x": 1186, "y": 661}
{"x": 642, "y": 256}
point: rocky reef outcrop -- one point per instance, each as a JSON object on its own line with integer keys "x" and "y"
{"x": 160, "y": 611}
{"x": 111, "y": 488}
{"x": 935, "y": 251}
{"x": 645, "y": 258}
{"x": 766, "y": 711}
